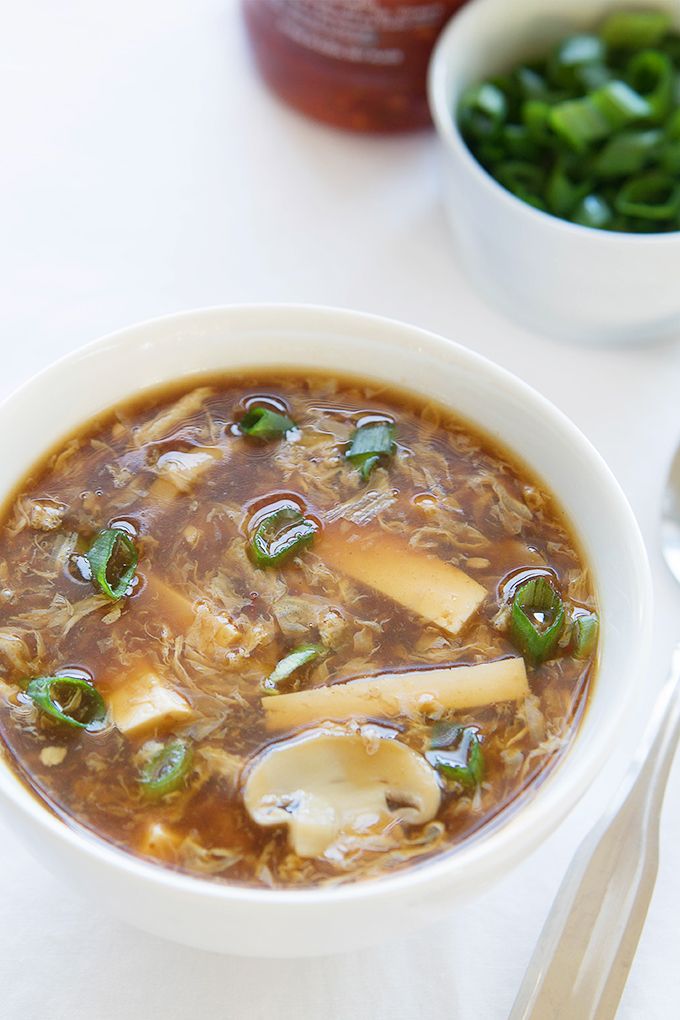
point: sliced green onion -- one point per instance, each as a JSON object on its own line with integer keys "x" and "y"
{"x": 536, "y": 117}
{"x": 671, "y": 46}
{"x": 517, "y": 141}
{"x": 565, "y": 190}
{"x": 584, "y": 121}
{"x": 263, "y": 423}
{"x": 167, "y": 770}
{"x": 464, "y": 761}
{"x": 369, "y": 443}
{"x": 531, "y": 84}
{"x": 489, "y": 153}
{"x": 507, "y": 85}
{"x": 592, "y": 211}
{"x": 113, "y": 562}
{"x": 68, "y": 699}
{"x": 584, "y": 635}
{"x": 280, "y": 534}
{"x": 526, "y": 180}
{"x": 483, "y": 110}
{"x": 572, "y": 54}
{"x": 672, "y": 129}
{"x": 300, "y": 656}
{"x": 536, "y": 619}
{"x": 627, "y": 153}
{"x": 669, "y": 158}
{"x": 620, "y": 104}
{"x": 589, "y": 77}
{"x": 634, "y": 30}
{"x": 652, "y": 75}
{"x": 579, "y": 122}
{"x": 655, "y": 196}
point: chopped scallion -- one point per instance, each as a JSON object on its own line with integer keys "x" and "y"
{"x": 461, "y": 758}
{"x": 167, "y": 770}
{"x": 572, "y": 54}
{"x": 601, "y": 107}
{"x": 300, "y": 656}
{"x": 592, "y": 211}
{"x": 634, "y": 30}
{"x": 584, "y": 635}
{"x": 564, "y": 190}
{"x": 68, "y": 699}
{"x": 627, "y": 153}
{"x": 113, "y": 562}
{"x": 483, "y": 111}
{"x": 263, "y": 423}
{"x": 369, "y": 444}
{"x": 652, "y": 75}
{"x": 536, "y": 619}
{"x": 655, "y": 196}
{"x": 281, "y": 534}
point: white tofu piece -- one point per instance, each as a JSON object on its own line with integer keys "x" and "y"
{"x": 424, "y": 584}
{"x": 145, "y": 701}
{"x": 179, "y": 470}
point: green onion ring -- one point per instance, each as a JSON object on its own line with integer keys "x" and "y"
{"x": 281, "y": 534}
{"x": 536, "y": 619}
{"x": 167, "y": 770}
{"x": 69, "y": 700}
{"x": 108, "y": 547}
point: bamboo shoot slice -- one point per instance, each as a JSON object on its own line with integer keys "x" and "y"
{"x": 392, "y": 694}
{"x": 421, "y": 583}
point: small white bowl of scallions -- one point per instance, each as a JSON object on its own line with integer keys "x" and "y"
{"x": 561, "y": 124}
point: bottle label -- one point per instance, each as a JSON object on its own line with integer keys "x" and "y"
{"x": 353, "y": 30}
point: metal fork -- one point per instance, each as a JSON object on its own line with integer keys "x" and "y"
{"x": 584, "y": 953}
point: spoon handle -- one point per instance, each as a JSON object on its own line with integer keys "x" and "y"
{"x": 587, "y": 945}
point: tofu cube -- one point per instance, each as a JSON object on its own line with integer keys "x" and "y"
{"x": 146, "y": 702}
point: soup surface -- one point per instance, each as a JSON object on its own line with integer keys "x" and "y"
{"x": 177, "y": 578}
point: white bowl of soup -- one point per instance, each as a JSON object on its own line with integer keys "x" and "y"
{"x": 312, "y": 625}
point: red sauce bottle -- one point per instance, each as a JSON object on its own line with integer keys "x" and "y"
{"x": 357, "y": 64}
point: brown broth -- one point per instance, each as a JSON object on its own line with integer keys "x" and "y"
{"x": 448, "y": 491}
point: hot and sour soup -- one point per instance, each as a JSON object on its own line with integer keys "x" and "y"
{"x": 286, "y": 629}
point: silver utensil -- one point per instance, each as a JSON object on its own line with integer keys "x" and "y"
{"x": 586, "y": 948}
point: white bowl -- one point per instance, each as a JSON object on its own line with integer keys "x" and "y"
{"x": 577, "y": 283}
{"x": 317, "y": 921}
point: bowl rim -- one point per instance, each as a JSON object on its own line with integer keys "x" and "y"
{"x": 472, "y": 856}
{"x": 446, "y": 125}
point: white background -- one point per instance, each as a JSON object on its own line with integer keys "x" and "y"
{"x": 145, "y": 170}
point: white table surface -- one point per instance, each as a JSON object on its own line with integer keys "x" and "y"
{"x": 145, "y": 170}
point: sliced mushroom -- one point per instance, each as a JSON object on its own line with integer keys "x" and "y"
{"x": 332, "y": 781}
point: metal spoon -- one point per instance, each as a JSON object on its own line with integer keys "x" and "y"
{"x": 584, "y": 953}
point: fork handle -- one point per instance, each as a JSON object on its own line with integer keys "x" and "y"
{"x": 584, "y": 953}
